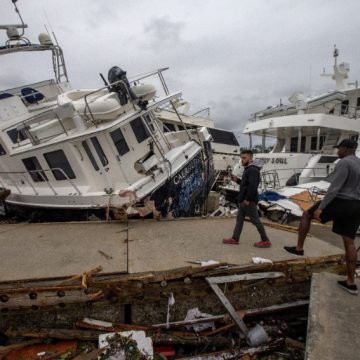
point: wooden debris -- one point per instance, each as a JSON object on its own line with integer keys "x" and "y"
{"x": 295, "y": 343}
{"x": 107, "y": 326}
{"x": 6, "y": 349}
{"x": 85, "y": 277}
{"x": 66, "y": 334}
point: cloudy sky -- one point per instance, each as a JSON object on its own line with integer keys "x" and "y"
{"x": 234, "y": 56}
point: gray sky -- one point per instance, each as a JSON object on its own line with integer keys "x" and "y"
{"x": 236, "y": 56}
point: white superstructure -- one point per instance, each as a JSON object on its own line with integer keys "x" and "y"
{"x": 306, "y": 131}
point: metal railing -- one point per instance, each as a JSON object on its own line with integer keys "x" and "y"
{"x": 338, "y": 109}
{"x": 41, "y": 174}
{"x": 270, "y": 179}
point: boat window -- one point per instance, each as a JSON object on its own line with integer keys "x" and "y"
{"x": 99, "y": 150}
{"x": 223, "y": 137}
{"x": 169, "y": 127}
{"x": 314, "y": 141}
{"x": 119, "y": 141}
{"x": 2, "y": 150}
{"x": 90, "y": 155}
{"x": 181, "y": 128}
{"x": 344, "y": 107}
{"x": 17, "y": 135}
{"x": 33, "y": 166}
{"x": 141, "y": 133}
{"x": 294, "y": 144}
{"x": 57, "y": 160}
{"x": 358, "y": 103}
{"x": 327, "y": 159}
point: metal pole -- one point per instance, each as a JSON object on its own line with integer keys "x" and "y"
{"x": 318, "y": 139}
{"x": 299, "y": 141}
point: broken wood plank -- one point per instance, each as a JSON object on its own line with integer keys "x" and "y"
{"x": 68, "y": 334}
{"x": 86, "y": 274}
{"x": 107, "y": 326}
{"x": 6, "y": 349}
{"x": 244, "y": 277}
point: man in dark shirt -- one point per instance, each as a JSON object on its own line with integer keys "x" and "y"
{"x": 340, "y": 204}
{"x": 248, "y": 199}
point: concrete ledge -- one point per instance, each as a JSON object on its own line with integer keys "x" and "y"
{"x": 334, "y": 320}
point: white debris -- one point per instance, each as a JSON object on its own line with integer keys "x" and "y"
{"x": 259, "y": 260}
{"x": 171, "y": 302}
{"x": 195, "y": 313}
{"x": 208, "y": 262}
{"x": 144, "y": 343}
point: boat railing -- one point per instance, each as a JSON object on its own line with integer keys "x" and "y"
{"x": 272, "y": 179}
{"x": 39, "y": 119}
{"x": 338, "y": 109}
{"x": 41, "y": 173}
{"x": 87, "y": 109}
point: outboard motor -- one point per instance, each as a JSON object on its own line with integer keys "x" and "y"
{"x": 122, "y": 88}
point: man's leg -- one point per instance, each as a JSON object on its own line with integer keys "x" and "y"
{"x": 252, "y": 212}
{"x": 239, "y": 222}
{"x": 351, "y": 257}
{"x": 304, "y": 228}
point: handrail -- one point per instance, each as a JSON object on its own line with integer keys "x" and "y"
{"x": 40, "y": 172}
{"x": 339, "y": 109}
{"x": 100, "y": 89}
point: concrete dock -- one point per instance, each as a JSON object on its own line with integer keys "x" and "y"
{"x": 334, "y": 320}
{"x": 33, "y": 251}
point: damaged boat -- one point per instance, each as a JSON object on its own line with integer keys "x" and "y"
{"x": 106, "y": 149}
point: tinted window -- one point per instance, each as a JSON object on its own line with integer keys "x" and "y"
{"x": 32, "y": 164}
{"x": 119, "y": 141}
{"x": 2, "y": 150}
{"x": 314, "y": 141}
{"x": 223, "y": 137}
{"x": 99, "y": 151}
{"x": 169, "y": 127}
{"x": 17, "y": 135}
{"x": 327, "y": 159}
{"x": 90, "y": 155}
{"x": 57, "y": 159}
{"x": 344, "y": 107}
{"x": 139, "y": 130}
{"x": 294, "y": 144}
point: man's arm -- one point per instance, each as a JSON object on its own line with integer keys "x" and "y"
{"x": 340, "y": 176}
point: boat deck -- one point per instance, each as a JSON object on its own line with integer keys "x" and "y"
{"x": 36, "y": 251}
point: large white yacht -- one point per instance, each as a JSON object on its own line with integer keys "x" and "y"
{"x": 306, "y": 130}
{"x": 65, "y": 148}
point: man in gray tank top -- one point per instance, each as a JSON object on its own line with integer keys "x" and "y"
{"x": 340, "y": 204}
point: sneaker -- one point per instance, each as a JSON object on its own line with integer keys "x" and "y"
{"x": 262, "y": 244}
{"x": 352, "y": 289}
{"x": 231, "y": 241}
{"x": 294, "y": 251}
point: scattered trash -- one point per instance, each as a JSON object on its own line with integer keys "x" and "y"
{"x": 259, "y": 260}
{"x": 122, "y": 344}
{"x": 195, "y": 313}
{"x": 171, "y": 302}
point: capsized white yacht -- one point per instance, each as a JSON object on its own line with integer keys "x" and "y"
{"x": 306, "y": 130}
{"x": 105, "y": 149}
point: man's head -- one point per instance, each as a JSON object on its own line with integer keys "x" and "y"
{"x": 246, "y": 157}
{"x": 346, "y": 147}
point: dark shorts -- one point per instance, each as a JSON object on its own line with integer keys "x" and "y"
{"x": 344, "y": 213}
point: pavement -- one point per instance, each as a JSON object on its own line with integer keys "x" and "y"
{"x": 334, "y": 320}
{"x": 32, "y": 251}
